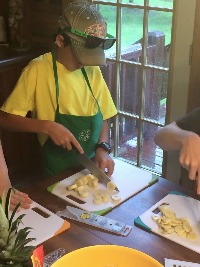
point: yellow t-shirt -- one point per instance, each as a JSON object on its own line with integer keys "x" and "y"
{"x": 35, "y": 91}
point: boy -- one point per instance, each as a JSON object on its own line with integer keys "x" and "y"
{"x": 66, "y": 93}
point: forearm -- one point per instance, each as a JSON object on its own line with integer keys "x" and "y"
{"x": 102, "y": 157}
{"x": 171, "y": 137}
{"x": 59, "y": 134}
{"x": 4, "y": 178}
{"x": 104, "y": 135}
{"x": 4, "y": 183}
{"x": 22, "y": 124}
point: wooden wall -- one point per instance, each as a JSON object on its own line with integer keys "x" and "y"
{"x": 40, "y": 19}
{"x": 39, "y": 24}
{"x": 3, "y": 8}
{"x": 43, "y": 20}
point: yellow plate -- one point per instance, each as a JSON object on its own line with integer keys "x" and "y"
{"x": 106, "y": 255}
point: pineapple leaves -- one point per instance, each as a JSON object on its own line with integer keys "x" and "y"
{"x": 14, "y": 248}
{"x": 17, "y": 245}
{"x": 22, "y": 236}
{"x": 14, "y": 225}
{"x": 13, "y": 214}
{"x": 22, "y": 240}
{"x": 7, "y": 203}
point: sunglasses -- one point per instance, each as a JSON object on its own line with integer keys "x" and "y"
{"x": 93, "y": 42}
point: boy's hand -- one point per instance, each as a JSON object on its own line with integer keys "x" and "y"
{"x": 61, "y": 136}
{"x": 104, "y": 161}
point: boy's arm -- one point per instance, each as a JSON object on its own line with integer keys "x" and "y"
{"x": 171, "y": 137}
{"x": 21, "y": 124}
{"x": 102, "y": 158}
{"x": 60, "y": 135}
{"x": 104, "y": 135}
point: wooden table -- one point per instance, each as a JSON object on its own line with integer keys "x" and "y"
{"x": 80, "y": 235}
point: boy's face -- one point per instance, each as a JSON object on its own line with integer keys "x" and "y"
{"x": 66, "y": 55}
{"x": 77, "y": 64}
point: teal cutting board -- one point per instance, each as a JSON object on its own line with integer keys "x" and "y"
{"x": 184, "y": 207}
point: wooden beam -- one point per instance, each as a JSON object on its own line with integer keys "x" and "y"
{"x": 194, "y": 84}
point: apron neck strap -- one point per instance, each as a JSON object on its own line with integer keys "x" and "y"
{"x": 88, "y": 83}
{"x": 56, "y": 78}
{"x": 87, "y": 80}
{"x": 55, "y": 74}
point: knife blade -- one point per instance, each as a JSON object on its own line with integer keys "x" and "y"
{"x": 91, "y": 166}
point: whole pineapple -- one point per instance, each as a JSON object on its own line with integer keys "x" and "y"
{"x": 13, "y": 242}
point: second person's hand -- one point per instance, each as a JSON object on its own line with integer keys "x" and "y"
{"x": 190, "y": 157}
{"x": 19, "y": 197}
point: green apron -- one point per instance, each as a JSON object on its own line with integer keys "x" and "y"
{"x": 86, "y": 130}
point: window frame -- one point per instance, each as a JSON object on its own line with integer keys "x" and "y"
{"x": 144, "y": 65}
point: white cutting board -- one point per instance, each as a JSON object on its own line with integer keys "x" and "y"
{"x": 128, "y": 178}
{"x": 183, "y": 206}
{"x": 43, "y": 226}
{"x": 174, "y": 263}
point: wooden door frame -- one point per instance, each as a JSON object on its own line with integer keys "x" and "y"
{"x": 194, "y": 84}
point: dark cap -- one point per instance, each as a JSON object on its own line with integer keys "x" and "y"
{"x": 84, "y": 17}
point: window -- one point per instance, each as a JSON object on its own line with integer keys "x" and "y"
{"x": 137, "y": 74}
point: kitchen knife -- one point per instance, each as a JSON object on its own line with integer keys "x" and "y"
{"x": 91, "y": 166}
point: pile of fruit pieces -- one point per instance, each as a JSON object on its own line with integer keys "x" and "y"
{"x": 168, "y": 223}
{"x": 85, "y": 184}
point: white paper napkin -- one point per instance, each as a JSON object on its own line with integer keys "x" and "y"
{"x": 176, "y": 263}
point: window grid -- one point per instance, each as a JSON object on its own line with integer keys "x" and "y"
{"x": 144, "y": 67}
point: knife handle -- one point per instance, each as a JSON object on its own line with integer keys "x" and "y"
{"x": 75, "y": 149}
